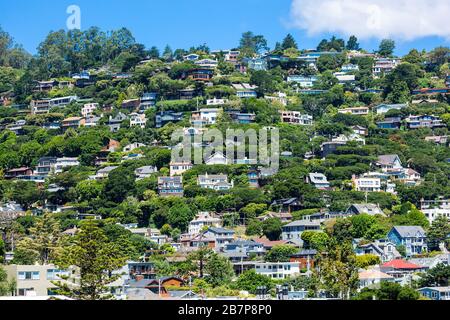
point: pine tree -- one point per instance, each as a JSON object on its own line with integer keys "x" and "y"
{"x": 352, "y": 43}
{"x": 94, "y": 258}
{"x": 289, "y": 42}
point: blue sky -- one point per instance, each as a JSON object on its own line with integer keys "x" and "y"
{"x": 183, "y": 23}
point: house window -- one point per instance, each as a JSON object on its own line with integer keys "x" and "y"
{"x": 28, "y": 275}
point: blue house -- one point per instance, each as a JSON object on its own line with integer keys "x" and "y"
{"x": 244, "y": 246}
{"x": 413, "y": 238}
{"x": 435, "y": 293}
{"x": 390, "y": 123}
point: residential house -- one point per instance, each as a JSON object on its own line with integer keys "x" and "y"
{"x": 222, "y": 236}
{"x": 356, "y": 111}
{"x": 66, "y": 162}
{"x": 349, "y": 68}
{"x": 204, "y": 117}
{"x": 44, "y": 106}
{"x": 103, "y": 173}
{"x": 17, "y": 127}
{"x": 280, "y": 98}
{"x": 35, "y": 280}
{"x": 138, "y": 120}
{"x": 373, "y": 277}
{"x": 413, "y": 238}
{"x": 133, "y": 146}
{"x": 178, "y": 168}
{"x": 242, "y": 118}
{"x": 257, "y": 64}
{"x": 10, "y": 211}
{"x": 435, "y": 208}
{"x": 319, "y": 180}
{"x": 366, "y": 184}
{"x": 88, "y": 109}
{"x": 293, "y": 231}
{"x": 164, "y": 117}
{"x": 383, "y": 108}
{"x": 437, "y": 139}
{"x": 91, "y": 121}
{"x": 191, "y": 57}
{"x": 207, "y": 63}
{"x": 245, "y": 90}
{"x": 367, "y": 208}
{"x": 350, "y": 137}
{"x": 303, "y": 81}
{"x": 201, "y": 74}
{"x": 158, "y": 286}
{"x": 72, "y": 123}
{"x": 216, "y": 102}
{"x": 253, "y": 178}
{"x": 217, "y": 182}
{"x": 14, "y": 173}
{"x": 285, "y": 217}
{"x": 45, "y": 166}
{"x": 287, "y": 205}
{"x": 278, "y": 270}
{"x": 114, "y": 123}
{"x": 148, "y": 100}
{"x": 384, "y": 66}
{"x": 345, "y": 78}
{"x": 436, "y": 293}
{"x": 389, "y": 162}
{"x": 305, "y": 258}
{"x": 390, "y": 123}
{"x": 399, "y": 268}
{"x": 145, "y": 172}
{"x": 247, "y": 247}
{"x": 295, "y": 117}
{"x": 143, "y": 270}
{"x": 170, "y": 186}
{"x": 203, "y": 220}
{"x": 384, "y": 249}
{"x": 360, "y": 130}
{"x": 424, "y": 121}
{"x": 330, "y": 147}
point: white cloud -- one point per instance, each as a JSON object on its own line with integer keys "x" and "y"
{"x": 398, "y": 19}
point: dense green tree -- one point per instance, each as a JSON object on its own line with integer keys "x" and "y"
{"x": 250, "y": 281}
{"x": 386, "y": 48}
{"x": 280, "y": 253}
{"x": 219, "y": 270}
{"x": 271, "y": 228}
{"x": 352, "y": 43}
{"x": 438, "y": 232}
{"x": 289, "y": 42}
{"x": 95, "y": 258}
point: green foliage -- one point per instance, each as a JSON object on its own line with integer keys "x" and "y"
{"x": 271, "y": 228}
{"x": 250, "y": 281}
{"x": 280, "y": 253}
{"x": 366, "y": 260}
{"x": 95, "y": 258}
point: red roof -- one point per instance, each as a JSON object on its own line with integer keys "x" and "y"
{"x": 401, "y": 264}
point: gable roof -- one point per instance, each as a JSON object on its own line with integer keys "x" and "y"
{"x": 409, "y": 231}
{"x": 373, "y": 274}
{"x": 387, "y": 159}
{"x": 368, "y": 208}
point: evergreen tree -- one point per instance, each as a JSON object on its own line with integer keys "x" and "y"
{"x": 289, "y": 42}
{"x": 352, "y": 43}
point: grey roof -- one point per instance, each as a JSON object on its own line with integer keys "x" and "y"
{"x": 368, "y": 208}
{"x": 440, "y": 289}
{"x": 316, "y": 177}
{"x": 220, "y": 230}
{"x": 242, "y": 242}
{"x": 409, "y": 231}
{"x": 302, "y": 223}
{"x": 387, "y": 159}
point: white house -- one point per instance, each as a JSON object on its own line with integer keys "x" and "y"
{"x": 216, "y": 102}
{"x": 178, "y": 168}
{"x": 138, "y": 120}
{"x": 88, "y": 109}
{"x": 205, "y": 116}
{"x": 372, "y": 277}
{"x": 202, "y": 220}
{"x": 62, "y": 163}
{"x": 434, "y": 208}
{"x": 278, "y": 270}
{"x": 216, "y": 182}
{"x": 383, "y": 108}
{"x": 389, "y": 162}
{"x": 133, "y": 146}
{"x": 366, "y": 184}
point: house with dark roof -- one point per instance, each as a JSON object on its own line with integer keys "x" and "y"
{"x": 286, "y": 205}
{"x": 293, "y": 231}
{"x": 384, "y": 249}
{"x": 390, "y": 123}
{"x": 413, "y": 238}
